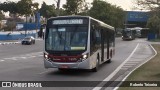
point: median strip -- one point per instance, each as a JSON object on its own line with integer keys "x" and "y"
{"x": 150, "y": 71}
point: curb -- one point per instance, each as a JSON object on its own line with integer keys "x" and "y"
{"x": 7, "y": 43}
{"x": 138, "y": 66}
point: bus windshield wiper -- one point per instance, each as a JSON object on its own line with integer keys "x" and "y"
{"x": 76, "y": 28}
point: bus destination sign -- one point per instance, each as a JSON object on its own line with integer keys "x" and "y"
{"x": 69, "y": 21}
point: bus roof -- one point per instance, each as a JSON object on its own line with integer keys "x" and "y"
{"x": 88, "y": 17}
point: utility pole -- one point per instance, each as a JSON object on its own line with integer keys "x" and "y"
{"x": 58, "y": 6}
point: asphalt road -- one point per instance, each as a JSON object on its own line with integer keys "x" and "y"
{"x": 25, "y": 63}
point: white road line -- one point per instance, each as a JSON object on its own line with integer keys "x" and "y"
{"x": 43, "y": 72}
{"x": 27, "y": 56}
{"x": 40, "y": 55}
{"x": 117, "y": 69}
{"x": 124, "y": 68}
{"x": 23, "y": 57}
{"x": 129, "y": 64}
{"x": 12, "y": 58}
{"x": 32, "y": 56}
{"x": 136, "y": 59}
{"x": 2, "y": 60}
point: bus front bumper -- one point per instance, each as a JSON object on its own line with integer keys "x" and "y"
{"x": 68, "y": 65}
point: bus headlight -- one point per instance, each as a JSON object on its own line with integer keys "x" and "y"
{"x": 85, "y": 56}
{"x": 130, "y": 37}
{"x": 45, "y": 55}
{"x": 122, "y": 36}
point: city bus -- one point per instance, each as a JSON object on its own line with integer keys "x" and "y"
{"x": 141, "y": 32}
{"x": 78, "y": 42}
{"x": 128, "y": 34}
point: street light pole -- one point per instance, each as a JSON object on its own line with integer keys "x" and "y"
{"x": 58, "y": 5}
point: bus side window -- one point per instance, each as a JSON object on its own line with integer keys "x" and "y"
{"x": 98, "y": 37}
{"x": 111, "y": 39}
{"x": 95, "y": 39}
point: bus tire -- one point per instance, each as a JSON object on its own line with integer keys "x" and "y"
{"x": 95, "y": 69}
{"x": 108, "y": 61}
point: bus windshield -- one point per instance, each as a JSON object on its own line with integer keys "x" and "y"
{"x": 126, "y": 32}
{"x": 66, "y": 38}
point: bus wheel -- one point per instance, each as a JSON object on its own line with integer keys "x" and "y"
{"x": 108, "y": 61}
{"x": 61, "y": 69}
{"x": 97, "y": 66}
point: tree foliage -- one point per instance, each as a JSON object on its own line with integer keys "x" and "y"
{"x": 99, "y": 9}
{"x": 47, "y": 10}
{"x": 73, "y": 7}
{"x": 154, "y": 24}
{"x": 9, "y": 6}
{"x": 27, "y": 7}
{"x": 107, "y": 13}
{"x": 154, "y": 6}
{"x": 148, "y": 4}
{"x": 2, "y": 16}
{"x": 22, "y": 7}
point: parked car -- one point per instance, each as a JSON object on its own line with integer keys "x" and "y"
{"x": 28, "y": 40}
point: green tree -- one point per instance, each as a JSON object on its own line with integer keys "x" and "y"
{"x": 154, "y": 24}
{"x": 148, "y": 4}
{"x": 47, "y": 10}
{"x": 73, "y": 7}
{"x": 23, "y": 7}
{"x": 2, "y": 16}
{"x": 154, "y": 6}
{"x": 27, "y": 7}
{"x": 10, "y": 7}
{"x": 107, "y": 13}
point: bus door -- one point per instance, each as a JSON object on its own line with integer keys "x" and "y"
{"x": 102, "y": 45}
{"x": 108, "y": 37}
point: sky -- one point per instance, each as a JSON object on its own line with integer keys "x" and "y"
{"x": 125, "y": 4}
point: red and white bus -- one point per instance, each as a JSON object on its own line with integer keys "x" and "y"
{"x": 78, "y": 42}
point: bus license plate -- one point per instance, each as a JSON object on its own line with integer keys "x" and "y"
{"x": 64, "y": 66}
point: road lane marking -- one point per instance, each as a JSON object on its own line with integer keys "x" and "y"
{"x": 124, "y": 68}
{"x": 2, "y": 60}
{"x": 40, "y": 55}
{"x": 12, "y": 58}
{"x": 31, "y": 56}
{"x": 26, "y": 56}
{"x": 129, "y": 64}
{"x": 98, "y": 87}
{"x": 43, "y": 72}
{"x": 23, "y": 57}
{"x": 138, "y": 60}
